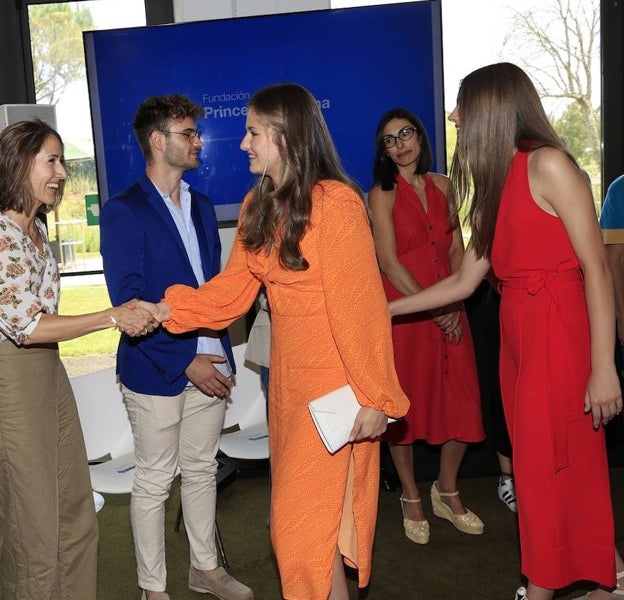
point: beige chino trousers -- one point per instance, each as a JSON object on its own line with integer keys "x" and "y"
{"x": 170, "y": 432}
{"x": 48, "y": 546}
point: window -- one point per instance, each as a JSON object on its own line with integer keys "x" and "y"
{"x": 557, "y": 42}
{"x": 60, "y": 79}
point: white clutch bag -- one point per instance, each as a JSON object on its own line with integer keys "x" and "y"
{"x": 334, "y": 415}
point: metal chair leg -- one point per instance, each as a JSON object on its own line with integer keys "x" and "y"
{"x": 178, "y": 518}
{"x": 220, "y": 547}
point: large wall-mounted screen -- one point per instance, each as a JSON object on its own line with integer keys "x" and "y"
{"x": 358, "y": 63}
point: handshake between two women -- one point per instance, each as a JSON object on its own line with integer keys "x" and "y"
{"x": 138, "y": 318}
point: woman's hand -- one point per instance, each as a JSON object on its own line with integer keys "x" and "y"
{"x": 455, "y": 334}
{"x": 133, "y": 320}
{"x": 603, "y": 397}
{"x": 450, "y": 324}
{"x": 160, "y": 312}
{"x": 370, "y": 423}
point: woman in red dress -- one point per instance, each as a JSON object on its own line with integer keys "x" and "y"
{"x": 418, "y": 244}
{"x": 533, "y": 219}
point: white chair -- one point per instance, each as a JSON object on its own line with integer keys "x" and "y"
{"x": 246, "y": 411}
{"x": 98, "y": 500}
{"x": 106, "y": 431}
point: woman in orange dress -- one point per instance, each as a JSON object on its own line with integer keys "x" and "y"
{"x": 533, "y": 220}
{"x": 305, "y": 234}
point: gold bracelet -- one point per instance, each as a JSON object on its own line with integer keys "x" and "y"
{"x": 113, "y": 320}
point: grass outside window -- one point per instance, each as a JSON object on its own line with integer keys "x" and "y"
{"x": 81, "y": 299}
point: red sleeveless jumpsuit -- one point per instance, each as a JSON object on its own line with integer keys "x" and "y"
{"x": 560, "y": 465}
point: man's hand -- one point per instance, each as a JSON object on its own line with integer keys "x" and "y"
{"x": 205, "y": 376}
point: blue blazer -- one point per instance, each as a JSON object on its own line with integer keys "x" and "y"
{"x": 143, "y": 255}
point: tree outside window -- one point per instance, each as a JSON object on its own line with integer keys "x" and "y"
{"x": 59, "y": 75}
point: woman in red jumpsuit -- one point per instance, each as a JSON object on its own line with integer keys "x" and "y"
{"x": 533, "y": 221}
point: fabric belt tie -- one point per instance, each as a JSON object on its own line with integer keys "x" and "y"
{"x": 550, "y": 283}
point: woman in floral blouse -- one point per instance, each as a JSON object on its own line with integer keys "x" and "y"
{"x": 48, "y": 528}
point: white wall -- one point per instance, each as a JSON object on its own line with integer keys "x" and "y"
{"x": 206, "y": 10}
{"x": 227, "y": 235}
{"x": 202, "y": 10}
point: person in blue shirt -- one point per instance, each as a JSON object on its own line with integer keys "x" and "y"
{"x": 156, "y": 233}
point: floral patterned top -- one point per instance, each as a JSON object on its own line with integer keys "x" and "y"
{"x": 29, "y": 281}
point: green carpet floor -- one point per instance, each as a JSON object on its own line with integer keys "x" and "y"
{"x": 453, "y": 566}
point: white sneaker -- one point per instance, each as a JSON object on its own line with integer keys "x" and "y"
{"x": 520, "y": 592}
{"x": 507, "y": 493}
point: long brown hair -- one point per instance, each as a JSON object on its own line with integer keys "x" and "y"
{"x": 19, "y": 145}
{"x": 279, "y": 212}
{"x": 499, "y": 112}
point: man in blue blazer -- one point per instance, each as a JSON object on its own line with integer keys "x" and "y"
{"x": 157, "y": 233}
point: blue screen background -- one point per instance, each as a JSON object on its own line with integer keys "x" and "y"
{"x": 357, "y": 62}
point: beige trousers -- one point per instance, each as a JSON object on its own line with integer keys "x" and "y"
{"x": 170, "y": 432}
{"x": 48, "y": 546}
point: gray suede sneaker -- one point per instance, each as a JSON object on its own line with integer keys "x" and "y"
{"x": 222, "y": 585}
{"x": 155, "y": 596}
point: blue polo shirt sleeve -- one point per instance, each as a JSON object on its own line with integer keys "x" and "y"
{"x": 612, "y": 214}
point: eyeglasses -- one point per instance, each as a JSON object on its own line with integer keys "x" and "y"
{"x": 189, "y": 133}
{"x": 407, "y": 133}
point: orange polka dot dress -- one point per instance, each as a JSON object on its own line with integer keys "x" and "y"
{"x": 330, "y": 327}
